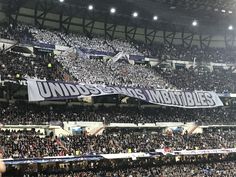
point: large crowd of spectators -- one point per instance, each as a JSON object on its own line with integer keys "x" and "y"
{"x": 123, "y": 73}
{"x": 123, "y": 141}
{"x": 18, "y": 33}
{"x": 26, "y": 33}
{"x": 219, "y": 80}
{"x": 226, "y": 169}
{"x": 48, "y": 37}
{"x": 194, "y": 53}
{"x": 17, "y": 66}
{"x": 118, "y": 73}
{"x": 201, "y": 165}
{"x": 163, "y": 51}
{"x": 31, "y": 144}
{"x": 83, "y": 42}
{"x": 35, "y": 114}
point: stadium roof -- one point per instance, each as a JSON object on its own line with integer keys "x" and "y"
{"x": 214, "y": 16}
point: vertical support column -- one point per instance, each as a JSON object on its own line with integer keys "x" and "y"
{"x": 41, "y": 10}
{"x": 150, "y": 35}
{"x": 187, "y": 38}
{"x": 205, "y": 41}
{"x": 109, "y": 30}
{"x": 229, "y": 38}
{"x": 13, "y": 10}
{"x": 169, "y": 36}
{"x": 88, "y": 26}
{"x": 130, "y": 32}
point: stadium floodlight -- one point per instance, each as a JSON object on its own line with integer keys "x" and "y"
{"x": 90, "y": 7}
{"x": 113, "y": 10}
{"x": 49, "y": 65}
{"x": 223, "y": 11}
{"x": 135, "y": 14}
{"x": 155, "y": 17}
{"x": 230, "y": 27}
{"x": 194, "y": 23}
{"x": 230, "y": 11}
{"x": 61, "y": 1}
{"x": 17, "y": 76}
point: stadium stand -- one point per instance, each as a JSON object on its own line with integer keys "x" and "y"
{"x": 194, "y": 79}
{"x": 116, "y": 135}
{"x": 22, "y": 113}
{"x": 31, "y": 144}
{"x": 210, "y": 169}
{"x": 93, "y": 71}
{"x": 166, "y": 52}
{"x": 17, "y": 66}
{"x": 178, "y": 52}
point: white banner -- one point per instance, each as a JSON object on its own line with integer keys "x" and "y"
{"x": 39, "y": 90}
